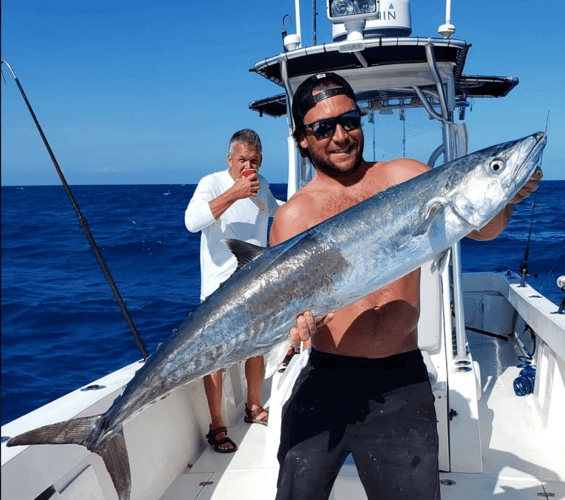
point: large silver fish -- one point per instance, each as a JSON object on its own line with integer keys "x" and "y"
{"x": 323, "y": 269}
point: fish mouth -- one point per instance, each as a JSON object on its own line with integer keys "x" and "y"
{"x": 535, "y": 153}
{"x": 532, "y": 148}
{"x": 539, "y": 146}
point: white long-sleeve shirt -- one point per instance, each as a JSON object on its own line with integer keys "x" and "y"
{"x": 244, "y": 220}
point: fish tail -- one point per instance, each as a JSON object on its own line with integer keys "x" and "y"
{"x": 75, "y": 431}
{"x": 115, "y": 456}
{"x": 84, "y": 431}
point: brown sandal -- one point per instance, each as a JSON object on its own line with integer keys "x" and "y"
{"x": 216, "y": 443}
{"x": 251, "y": 416}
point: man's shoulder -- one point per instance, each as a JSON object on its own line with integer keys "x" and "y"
{"x": 299, "y": 202}
{"x": 382, "y": 175}
{"x": 403, "y": 169}
{"x": 215, "y": 176}
{"x": 294, "y": 217}
{"x": 215, "y": 181}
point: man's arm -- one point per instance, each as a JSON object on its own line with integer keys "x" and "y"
{"x": 204, "y": 209}
{"x": 245, "y": 187}
{"x": 501, "y": 220}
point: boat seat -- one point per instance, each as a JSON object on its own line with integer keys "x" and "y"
{"x": 429, "y": 324}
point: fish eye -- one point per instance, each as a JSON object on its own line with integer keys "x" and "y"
{"x": 496, "y": 165}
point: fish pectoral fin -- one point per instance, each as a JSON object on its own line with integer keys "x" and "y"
{"x": 115, "y": 456}
{"x": 431, "y": 211}
{"x": 440, "y": 261}
{"x": 243, "y": 251}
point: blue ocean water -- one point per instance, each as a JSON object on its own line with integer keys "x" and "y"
{"x": 62, "y": 328}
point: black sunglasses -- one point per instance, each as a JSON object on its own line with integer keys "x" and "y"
{"x": 326, "y": 128}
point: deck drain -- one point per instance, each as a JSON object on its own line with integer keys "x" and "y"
{"x": 447, "y": 482}
{"x": 93, "y": 387}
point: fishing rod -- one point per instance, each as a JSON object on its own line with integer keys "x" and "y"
{"x": 524, "y": 267}
{"x": 83, "y": 223}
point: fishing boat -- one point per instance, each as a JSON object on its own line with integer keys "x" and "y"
{"x": 494, "y": 347}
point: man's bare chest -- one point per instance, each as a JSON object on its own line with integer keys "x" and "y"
{"x": 336, "y": 203}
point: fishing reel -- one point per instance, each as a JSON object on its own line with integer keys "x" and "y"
{"x": 561, "y": 284}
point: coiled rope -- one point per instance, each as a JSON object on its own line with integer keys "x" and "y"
{"x": 525, "y": 382}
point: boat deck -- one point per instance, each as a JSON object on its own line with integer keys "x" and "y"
{"x": 243, "y": 474}
{"x": 511, "y": 428}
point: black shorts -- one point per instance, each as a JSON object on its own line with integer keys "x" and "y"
{"x": 381, "y": 411}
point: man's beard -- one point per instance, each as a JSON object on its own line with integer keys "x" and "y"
{"x": 333, "y": 171}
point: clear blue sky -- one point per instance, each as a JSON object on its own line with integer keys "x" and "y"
{"x": 150, "y": 92}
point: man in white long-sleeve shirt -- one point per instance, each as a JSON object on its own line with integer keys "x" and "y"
{"x": 228, "y": 205}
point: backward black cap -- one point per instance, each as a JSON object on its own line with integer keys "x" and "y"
{"x": 303, "y": 99}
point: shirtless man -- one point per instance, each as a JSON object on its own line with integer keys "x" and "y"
{"x": 365, "y": 390}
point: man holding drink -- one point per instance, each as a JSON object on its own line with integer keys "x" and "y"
{"x": 231, "y": 204}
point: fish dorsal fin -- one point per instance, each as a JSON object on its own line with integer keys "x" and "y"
{"x": 243, "y": 251}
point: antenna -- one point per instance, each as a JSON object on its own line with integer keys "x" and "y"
{"x": 447, "y": 29}
{"x": 292, "y": 41}
{"x": 315, "y": 14}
